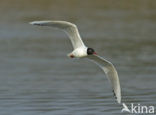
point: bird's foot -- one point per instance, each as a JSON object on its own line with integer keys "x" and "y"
{"x": 71, "y": 55}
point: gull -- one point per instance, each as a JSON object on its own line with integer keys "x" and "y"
{"x": 80, "y": 50}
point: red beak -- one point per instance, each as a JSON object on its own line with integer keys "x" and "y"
{"x": 95, "y": 53}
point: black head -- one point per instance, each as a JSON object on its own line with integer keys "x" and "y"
{"x": 90, "y": 51}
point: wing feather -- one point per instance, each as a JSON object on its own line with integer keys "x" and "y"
{"x": 67, "y": 27}
{"x": 110, "y": 72}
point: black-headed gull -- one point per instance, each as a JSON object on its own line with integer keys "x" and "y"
{"x": 80, "y": 50}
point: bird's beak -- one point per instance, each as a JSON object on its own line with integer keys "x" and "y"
{"x": 95, "y": 53}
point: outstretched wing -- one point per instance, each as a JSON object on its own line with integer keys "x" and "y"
{"x": 110, "y": 72}
{"x": 68, "y": 27}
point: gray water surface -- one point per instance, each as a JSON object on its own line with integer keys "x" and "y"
{"x": 36, "y": 76}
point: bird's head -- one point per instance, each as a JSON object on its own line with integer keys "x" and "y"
{"x": 90, "y": 51}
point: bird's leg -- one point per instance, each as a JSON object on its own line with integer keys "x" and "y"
{"x": 70, "y": 55}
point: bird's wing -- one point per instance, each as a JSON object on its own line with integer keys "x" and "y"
{"x": 69, "y": 28}
{"x": 110, "y": 72}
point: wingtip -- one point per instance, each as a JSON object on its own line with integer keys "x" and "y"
{"x": 36, "y": 22}
{"x": 33, "y": 23}
{"x": 119, "y": 101}
{"x": 39, "y": 23}
{"x": 118, "y": 98}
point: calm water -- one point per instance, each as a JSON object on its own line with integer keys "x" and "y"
{"x": 36, "y": 76}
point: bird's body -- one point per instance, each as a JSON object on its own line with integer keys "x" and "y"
{"x": 78, "y": 52}
{"x": 81, "y": 51}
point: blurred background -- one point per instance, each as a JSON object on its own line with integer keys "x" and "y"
{"x": 36, "y": 76}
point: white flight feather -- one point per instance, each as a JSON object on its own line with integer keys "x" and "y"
{"x": 110, "y": 72}
{"x": 67, "y": 27}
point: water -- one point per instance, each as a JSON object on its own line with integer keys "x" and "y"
{"x": 36, "y": 77}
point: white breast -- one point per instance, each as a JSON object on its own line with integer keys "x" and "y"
{"x": 80, "y": 52}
